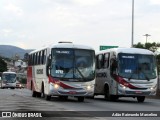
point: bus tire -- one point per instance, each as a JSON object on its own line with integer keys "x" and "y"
{"x": 63, "y": 97}
{"x": 34, "y": 93}
{"x": 91, "y": 97}
{"x": 80, "y": 99}
{"x": 106, "y": 92}
{"x": 48, "y": 97}
{"x": 42, "y": 91}
{"x": 140, "y": 99}
{"x": 108, "y": 96}
{"x": 38, "y": 94}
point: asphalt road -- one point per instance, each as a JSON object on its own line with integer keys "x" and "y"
{"x": 20, "y": 101}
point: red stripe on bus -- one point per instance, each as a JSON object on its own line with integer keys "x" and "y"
{"x": 123, "y": 82}
{"x": 61, "y": 84}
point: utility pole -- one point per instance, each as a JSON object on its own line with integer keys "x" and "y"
{"x": 132, "y": 38}
{"x": 147, "y": 35}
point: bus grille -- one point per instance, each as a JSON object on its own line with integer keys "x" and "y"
{"x": 140, "y": 88}
{"x": 137, "y": 93}
{"x": 72, "y": 93}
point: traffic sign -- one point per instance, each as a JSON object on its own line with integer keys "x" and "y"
{"x": 107, "y": 47}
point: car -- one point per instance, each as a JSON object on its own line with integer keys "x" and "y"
{"x": 19, "y": 85}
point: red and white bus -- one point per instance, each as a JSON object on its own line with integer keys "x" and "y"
{"x": 126, "y": 72}
{"x": 63, "y": 70}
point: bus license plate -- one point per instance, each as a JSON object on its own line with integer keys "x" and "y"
{"x": 138, "y": 92}
{"x": 72, "y": 92}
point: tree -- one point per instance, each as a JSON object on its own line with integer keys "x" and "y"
{"x": 3, "y": 65}
{"x": 150, "y": 46}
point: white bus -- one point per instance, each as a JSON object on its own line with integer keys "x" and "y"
{"x": 8, "y": 80}
{"x": 126, "y": 72}
{"x": 63, "y": 70}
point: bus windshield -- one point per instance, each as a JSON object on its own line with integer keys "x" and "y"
{"x": 137, "y": 66}
{"x": 77, "y": 64}
{"x": 9, "y": 78}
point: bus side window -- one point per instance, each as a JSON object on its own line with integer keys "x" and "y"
{"x": 106, "y": 60}
{"x": 113, "y": 66}
{"x": 33, "y": 59}
{"x": 100, "y": 61}
{"x": 44, "y": 57}
{"x": 97, "y": 66}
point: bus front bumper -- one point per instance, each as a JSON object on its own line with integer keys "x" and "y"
{"x": 56, "y": 90}
{"x": 136, "y": 92}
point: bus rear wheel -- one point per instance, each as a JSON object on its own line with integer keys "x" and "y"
{"x": 140, "y": 98}
{"x": 34, "y": 93}
{"x": 38, "y": 94}
{"x": 108, "y": 96}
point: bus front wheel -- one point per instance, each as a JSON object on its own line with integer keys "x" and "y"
{"x": 48, "y": 97}
{"x": 140, "y": 98}
{"x": 80, "y": 99}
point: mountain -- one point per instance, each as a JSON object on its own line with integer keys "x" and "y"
{"x": 10, "y": 51}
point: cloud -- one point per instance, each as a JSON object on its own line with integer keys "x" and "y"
{"x": 6, "y": 32}
{"x": 90, "y": 22}
{"x": 156, "y": 2}
{"x": 14, "y": 9}
{"x": 87, "y": 2}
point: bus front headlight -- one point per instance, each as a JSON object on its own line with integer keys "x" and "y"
{"x": 153, "y": 88}
{"x": 56, "y": 86}
{"x": 122, "y": 86}
{"x": 88, "y": 87}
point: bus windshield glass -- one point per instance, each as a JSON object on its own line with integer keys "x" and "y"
{"x": 137, "y": 66}
{"x": 9, "y": 78}
{"x": 77, "y": 64}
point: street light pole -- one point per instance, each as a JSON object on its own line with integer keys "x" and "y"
{"x": 132, "y": 39}
{"x": 147, "y": 35}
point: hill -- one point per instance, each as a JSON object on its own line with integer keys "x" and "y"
{"x": 10, "y": 51}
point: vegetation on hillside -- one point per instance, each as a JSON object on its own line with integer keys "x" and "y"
{"x": 3, "y": 64}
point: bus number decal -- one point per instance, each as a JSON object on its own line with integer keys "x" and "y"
{"x": 59, "y": 71}
{"x": 39, "y": 71}
{"x": 128, "y": 71}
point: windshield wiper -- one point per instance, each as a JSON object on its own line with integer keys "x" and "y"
{"x": 130, "y": 77}
{"x": 80, "y": 73}
{"x": 145, "y": 76}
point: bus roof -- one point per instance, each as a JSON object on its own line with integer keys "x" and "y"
{"x": 9, "y": 72}
{"x": 64, "y": 45}
{"x": 128, "y": 50}
{"x": 71, "y": 45}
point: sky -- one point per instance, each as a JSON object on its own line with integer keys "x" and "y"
{"x": 32, "y": 24}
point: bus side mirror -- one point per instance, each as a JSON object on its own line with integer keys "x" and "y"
{"x": 48, "y": 65}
